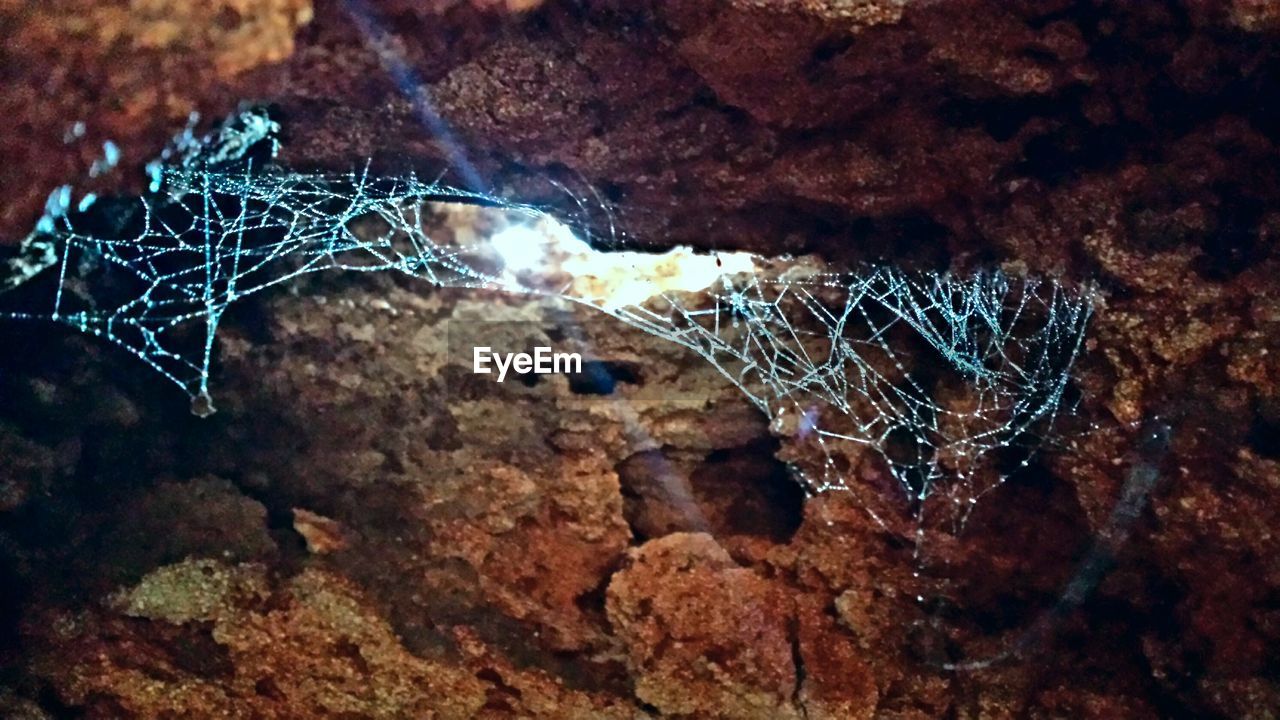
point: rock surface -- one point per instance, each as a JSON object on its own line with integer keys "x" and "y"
{"x": 364, "y": 531}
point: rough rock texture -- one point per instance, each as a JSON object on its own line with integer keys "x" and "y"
{"x": 364, "y": 531}
{"x": 669, "y": 606}
{"x": 206, "y": 639}
{"x": 131, "y": 71}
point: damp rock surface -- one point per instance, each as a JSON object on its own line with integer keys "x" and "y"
{"x": 364, "y": 530}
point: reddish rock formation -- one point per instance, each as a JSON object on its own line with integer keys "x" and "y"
{"x": 361, "y": 531}
{"x": 671, "y": 608}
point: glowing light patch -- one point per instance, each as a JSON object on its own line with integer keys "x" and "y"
{"x": 609, "y": 280}
{"x": 520, "y": 247}
{"x": 617, "y": 279}
{"x": 527, "y": 247}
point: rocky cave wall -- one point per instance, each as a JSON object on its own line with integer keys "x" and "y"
{"x": 360, "y": 532}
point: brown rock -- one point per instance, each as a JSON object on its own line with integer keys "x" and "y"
{"x": 1126, "y": 145}
{"x": 703, "y": 637}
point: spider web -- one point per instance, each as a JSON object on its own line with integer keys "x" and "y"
{"x": 180, "y": 256}
{"x": 931, "y": 373}
{"x": 934, "y": 374}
